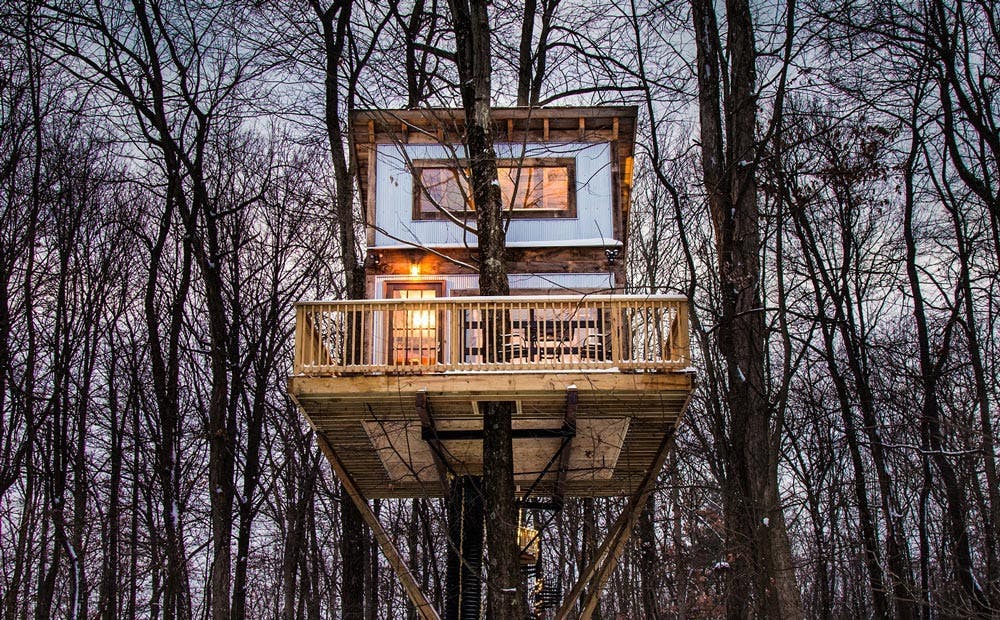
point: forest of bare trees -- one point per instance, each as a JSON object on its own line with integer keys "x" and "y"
{"x": 820, "y": 178}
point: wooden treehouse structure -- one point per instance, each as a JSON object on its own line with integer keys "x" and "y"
{"x": 599, "y": 379}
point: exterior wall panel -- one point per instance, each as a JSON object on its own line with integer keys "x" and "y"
{"x": 558, "y": 283}
{"x": 394, "y": 198}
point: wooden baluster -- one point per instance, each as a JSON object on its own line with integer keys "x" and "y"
{"x": 297, "y": 364}
{"x": 684, "y": 337}
{"x": 666, "y": 345}
{"x": 380, "y": 332}
{"x": 360, "y": 321}
{"x": 422, "y": 334}
{"x": 617, "y": 315}
{"x": 368, "y": 341}
{"x": 309, "y": 335}
{"x": 337, "y": 322}
{"x": 491, "y": 335}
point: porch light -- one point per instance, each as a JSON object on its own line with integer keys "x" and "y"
{"x": 414, "y": 269}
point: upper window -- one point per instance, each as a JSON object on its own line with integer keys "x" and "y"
{"x": 531, "y": 188}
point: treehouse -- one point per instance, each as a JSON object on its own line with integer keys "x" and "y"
{"x": 599, "y": 379}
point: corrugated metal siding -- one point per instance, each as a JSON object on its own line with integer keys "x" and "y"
{"x": 566, "y": 283}
{"x": 394, "y": 196}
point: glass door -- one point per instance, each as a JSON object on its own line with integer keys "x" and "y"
{"x": 415, "y": 333}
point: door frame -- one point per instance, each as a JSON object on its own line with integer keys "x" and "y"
{"x": 438, "y": 286}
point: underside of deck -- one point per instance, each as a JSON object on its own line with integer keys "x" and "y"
{"x": 575, "y": 433}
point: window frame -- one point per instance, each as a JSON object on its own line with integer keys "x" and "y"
{"x": 569, "y": 163}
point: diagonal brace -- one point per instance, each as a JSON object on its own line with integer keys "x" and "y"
{"x": 417, "y": 597}
{"x": 598, "y": 572}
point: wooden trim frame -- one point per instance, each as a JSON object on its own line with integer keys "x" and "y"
{"x": 530, "y": 292}
{"x": 438, "y": 286}
{"x": 456, "y": 166}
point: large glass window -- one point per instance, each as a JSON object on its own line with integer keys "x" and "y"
{"x": 530, "y": 188}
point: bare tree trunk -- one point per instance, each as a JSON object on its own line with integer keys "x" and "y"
{"x": 931, "y": 370}
{"x": 590, "y": 544}
{"x": 335, "y": 21}
{"x": 294, "y": 539}
{"x": 649, "y": 560}
{"x": 763, "y": 582}
{"x": 524, "y": 60}
{"x": 372, "y": 577}
{"x": 505, "y": 594}
{"x": 111, "y": 572}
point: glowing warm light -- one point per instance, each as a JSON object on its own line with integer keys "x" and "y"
{"x": 414, "y": 269}
{"x": 422, "y": 319}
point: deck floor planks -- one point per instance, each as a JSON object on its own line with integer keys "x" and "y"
{"x": 338, "y": 407}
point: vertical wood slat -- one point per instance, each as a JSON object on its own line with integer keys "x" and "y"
{"x": 345, "y": 329}
{"x": 683, "y": 336}
{"x": 617, "y": 314}
{"x": 298, "y": 364}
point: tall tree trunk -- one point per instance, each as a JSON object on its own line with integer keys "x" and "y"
{"x": 590, "y": 542}
{"x": 991, "y": 513}
{"x": 252, "y": 466}
{"x": 649, "y": 560}
{"x": 931, "y": 370}
{"x": 763, "y": 581}
{"x": 524, "y": 60}
{"x": 335, "y": 21}
{"x": 505, "y": 595}
{"x": 109, "y": 597}
{"x": 372, "y": 577}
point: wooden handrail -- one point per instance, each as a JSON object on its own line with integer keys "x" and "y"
{"x": 519, "y": 299}
{"x": 449, "y": 334}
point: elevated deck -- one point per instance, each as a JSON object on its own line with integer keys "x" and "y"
{"x": 394, "y": 386}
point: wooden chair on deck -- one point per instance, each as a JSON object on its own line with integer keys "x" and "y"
{"x": 515, "y": 347}
{"x": 592, "y": 347}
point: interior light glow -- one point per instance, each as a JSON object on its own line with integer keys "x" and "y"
{"x": 423, "y": 319}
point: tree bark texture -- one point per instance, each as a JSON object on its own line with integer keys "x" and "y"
{"x": 505, "y": 588}
{"x": 762, "y": 582}
{"x": 335, "y": 21}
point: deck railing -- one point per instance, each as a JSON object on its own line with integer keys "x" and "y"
{"x": 625, "y": 332}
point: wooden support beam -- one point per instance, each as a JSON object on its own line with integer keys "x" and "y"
{"x": 569, "y": 424}
{"x": 417, "y": 597}
{"x": 429, "y": 433}
{"x": 472, "y": 434}
{"x": 596, "y": 574}
{"x": 537, "y": 504}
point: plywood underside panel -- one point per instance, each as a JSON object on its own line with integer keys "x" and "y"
{"x": 373, "y": 424}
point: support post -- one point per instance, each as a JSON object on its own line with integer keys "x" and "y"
{"x": 569, "y": 426}
{"x": 429, "y": 433}
{"x": 423, "y": 606}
